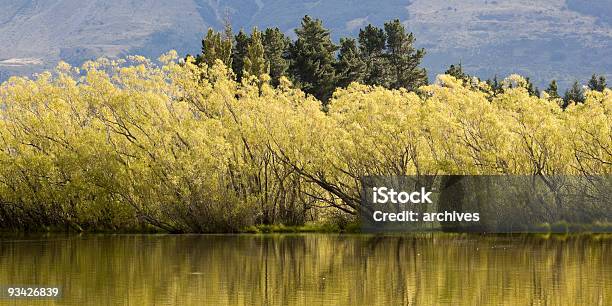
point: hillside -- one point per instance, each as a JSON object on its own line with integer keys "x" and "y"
{"x": 543, "y": 39}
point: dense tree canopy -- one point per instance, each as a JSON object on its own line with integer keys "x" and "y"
{"x": 215, "y": 46}
{"x": 255, "y": 63}
{"x": 350, "y": 66}
{"x": 276, "y": 45}
{"x": 185, "y": 147}
{"x": 403, "y": 59}
{"x": 239, "y": 53}
{"x": 381, "y": 56}
{"x": 597, "y": 83}
{"x": 312, "y": 59}
{"x": 574, "y": 94}
{"x": 553, "y": 90}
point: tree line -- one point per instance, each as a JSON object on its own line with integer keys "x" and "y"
{"x": 379, "y": 56}
{"x": 384, "y": 56}
{"x": 185, "y": 147}
{"x": 575, "y": 94}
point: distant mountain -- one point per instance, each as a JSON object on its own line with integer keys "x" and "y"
{"x": 544, "y": 39}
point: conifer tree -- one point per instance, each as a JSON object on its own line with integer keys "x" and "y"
{"x": 207, "y": 55}
{"x": 255, "y": 62}
{"x": 312, "y": 59}
{"x": 457, "y": 72}
{"x": 239, "y": 52}
{"x": 496, "y": 86}
{"x": 553, "y": 90}
{"x": 403, "y": 58}
{"x": 276, "y": 45}
{"x": 215, "y": 47}
{"x": 228, "y": 32}
{"x": 597, "y": 83}
{"x": 350, "y": 67}
{"x": 532, "y": 89}
{"x": 573, "y": 95}
{"x": 372, "y": 46}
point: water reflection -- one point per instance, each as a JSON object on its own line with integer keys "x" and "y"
{"x": 311, "y": 269}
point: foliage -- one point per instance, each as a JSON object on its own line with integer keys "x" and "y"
{"x": 312, "y": 59}
{"x": 457, "y": 72}
{"x": 184, "y": 147}
{"x": 553, "y": 90}
{"x": 372, "y": 42}
{"x": 597, "y": 83}
{"x": 254, "y": 62}
{"x": 350, "y": 66}
{"x": 384, "y": 57}
{"x": 275, "y": 44}
{"x": 239, "y": 53}
{"x": 574, "y": 95}
{"x": 216, "y": 46}
{"x": 403, "y": 59}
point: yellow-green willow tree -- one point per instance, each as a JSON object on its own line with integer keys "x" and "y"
{"x": 128, "y": 144}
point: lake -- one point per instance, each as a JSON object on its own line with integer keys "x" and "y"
{"x": 310, "y": 269}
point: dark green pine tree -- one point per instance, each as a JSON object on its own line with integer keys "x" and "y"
{"x": 215, "y": 47}
{"x": 532, "y": 89}
{"x": 372, "y": 46}
{"x": 312, "y": 59}
{"x": 496, "y": 86}
{"x": 276, "y": 45}
{"x": 457, "y": 72}
{"x": 350, "y": 66}
{"x": 403, "y": 58}
{"x": 207, "y": 48}
{"x": 553, "y": 90}
{"x": 239, "y": 52}
{"x": 255, "y": 62}
{"x": 573, "y": 95}
{"x": 597, "y": 83}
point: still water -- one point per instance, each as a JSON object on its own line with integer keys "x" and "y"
{"x": 428, "y": 269}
